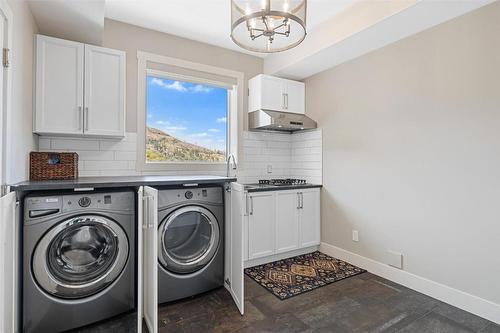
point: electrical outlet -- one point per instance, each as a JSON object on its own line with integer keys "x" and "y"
{"x": 269, "y": 168}
{"x": 355, "y": 236}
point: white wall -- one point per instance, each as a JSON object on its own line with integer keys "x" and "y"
{"x": 130, "y": 38}
{"x": 20, "y": 138}
{"x": 411, "y": 142}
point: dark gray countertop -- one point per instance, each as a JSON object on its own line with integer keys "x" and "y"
{"x": 256, "y": 188}
{"x": 128, "y": 181}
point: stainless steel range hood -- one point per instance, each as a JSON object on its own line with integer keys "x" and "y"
{"x": 265, "y": 120}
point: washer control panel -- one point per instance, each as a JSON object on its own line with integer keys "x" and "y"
{"x": 47, "y": 206}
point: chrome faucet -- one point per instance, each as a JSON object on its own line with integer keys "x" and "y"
{"x": 229, "y": 163}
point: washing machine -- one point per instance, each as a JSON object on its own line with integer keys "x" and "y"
{"x": 190, "y": 242}
{"x": 78, "y": 259}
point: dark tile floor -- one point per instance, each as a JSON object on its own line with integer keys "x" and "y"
{"x": 363, "y": 303}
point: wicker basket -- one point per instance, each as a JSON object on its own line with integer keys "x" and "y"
{"x": 53, "y": 166}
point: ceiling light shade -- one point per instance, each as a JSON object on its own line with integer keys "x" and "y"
{"x": 268, "y": 25}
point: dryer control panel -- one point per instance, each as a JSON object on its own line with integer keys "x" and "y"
{"x": 168, "y": 197}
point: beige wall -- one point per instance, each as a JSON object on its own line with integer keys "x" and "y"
{"x": 20, "y": 138}
{"x": 411, "y": 152}
{"x": 131, "y": 38}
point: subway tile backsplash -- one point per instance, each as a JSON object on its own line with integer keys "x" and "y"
{"x": 98, "y": 157}
{"x": 295, "y": 156}
{"x": 298, "y": 155}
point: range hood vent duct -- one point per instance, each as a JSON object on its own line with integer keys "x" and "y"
{"x": 265, "y": 120}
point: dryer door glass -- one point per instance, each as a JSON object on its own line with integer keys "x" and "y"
{"x": 188, "y": 239}
{"x": 80, "y": 257}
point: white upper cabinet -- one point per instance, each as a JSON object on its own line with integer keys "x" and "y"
{"x": 59, "y": 86}
{"x": 104, "y": 91}
{"x": 275, "y": 94}
{"x": 80, "y": 89}
{"x": 295, "y": 96}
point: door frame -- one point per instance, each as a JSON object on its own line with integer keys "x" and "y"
{"x": 5, "y": 111}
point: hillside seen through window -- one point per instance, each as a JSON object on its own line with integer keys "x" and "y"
{"x": 186, "y": 122}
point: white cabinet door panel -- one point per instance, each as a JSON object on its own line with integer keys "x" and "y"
{"x": 150, "y": 258}
{"x": 310, "y": 218}
{"x": 59, "y": 86}
{"x": 104, "y": 92}
{"x": 287, "y": 221}
{"x": 140, "y": 281}
{"x": 272, "y": 94}
{"x": 8, "y": 257}
{"x": 295, "y": 97}
{"x": 261, "y": 225}
{"x": 233, "y": 254}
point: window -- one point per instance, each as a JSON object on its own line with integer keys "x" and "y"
{"x": 187, "y": 115}
{"x": 186, "y": 120}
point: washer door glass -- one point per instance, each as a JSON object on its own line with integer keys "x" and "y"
{"x": 80, "y": 257}
{"x": 188, "y": 239}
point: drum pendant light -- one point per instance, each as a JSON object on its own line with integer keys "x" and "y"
{"x": 268, "y": 26}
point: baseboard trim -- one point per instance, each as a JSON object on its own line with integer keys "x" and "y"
{"x": 280, "y": 256}
{"x": 455, "y": 297}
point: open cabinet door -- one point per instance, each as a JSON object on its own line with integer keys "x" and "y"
{"x": 140, "y": 222}
{"x": 233, "y": 275}
{"x": 148, "y": 259}
{"x": 8, "y": 258}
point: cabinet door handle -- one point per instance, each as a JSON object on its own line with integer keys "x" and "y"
{"x": 145, "y": 212}
{"x": 301, "y": 200}
{"x": 286, "y": 101}
{"x": 251, "y": 205}
{"x": 246, "y": 205}
{"x": 283, "y": 106}
{"x": 80, "y": 118}
{"x": 86, "y": 118}
{"x": 298, "y": 200}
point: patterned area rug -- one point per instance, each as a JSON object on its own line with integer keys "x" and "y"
{"x": 294, "y": 276}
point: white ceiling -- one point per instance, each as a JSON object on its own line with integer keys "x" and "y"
{"x": 206, "y": 21}
{"x": 345, "y": 29}
{"x": 77, "y": 20}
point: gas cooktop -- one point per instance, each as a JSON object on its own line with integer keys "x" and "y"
{"x": 271, "y": 183}
{"x": 282, "y": 182}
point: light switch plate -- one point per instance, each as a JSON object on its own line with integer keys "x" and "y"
{"x": 269, "y": 168}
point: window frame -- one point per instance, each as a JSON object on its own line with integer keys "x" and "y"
{"x": 235, "y": 104}
{"x": 196, "y": 80}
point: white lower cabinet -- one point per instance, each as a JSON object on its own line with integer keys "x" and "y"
{"x": 10, "y": 226}
{"x": 287, "y": 221}
{"x": 147, "y": 263}
{"x": 260, "y": 224}
{"x": 234, "y": 245}
{"x": 282, "y": 221}
{"x": 309, "y": 216}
